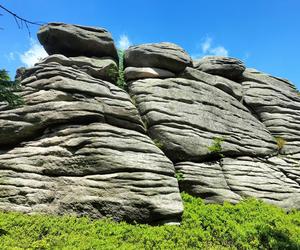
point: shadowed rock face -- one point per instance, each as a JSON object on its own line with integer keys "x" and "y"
{"x": 82, "y": 145}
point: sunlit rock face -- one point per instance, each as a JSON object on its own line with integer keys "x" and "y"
{"x": 80, "y": 144}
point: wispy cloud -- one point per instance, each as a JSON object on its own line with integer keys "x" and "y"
{"x": 208, "y": 49}
{"x": 123, "y": 42}
{"x": 34, "y": 54}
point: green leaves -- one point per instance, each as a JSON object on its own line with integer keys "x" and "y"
{"x": 216, "y": 147}
{"x": 251, "y": 224}
{"x": 8, "y": 89}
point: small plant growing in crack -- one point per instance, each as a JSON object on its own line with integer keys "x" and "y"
{"x": 179, "y": 176}
{"x": 158, "y": 143}
{"x": 280, "y": 143}
{"x": 216, "y": 147}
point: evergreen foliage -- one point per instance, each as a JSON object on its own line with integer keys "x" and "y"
{"x": 7, "y": 89}
{"x": 251, "y": 224}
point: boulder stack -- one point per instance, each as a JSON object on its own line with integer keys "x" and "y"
{"x": 82, "y": 145}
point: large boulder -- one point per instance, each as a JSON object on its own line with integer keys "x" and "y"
{"x": 167, "y": 56}
{"x": 227, "y": 67}
{"x": 96, "y": 169}
{"x": 78, "y": 146}
{"x": 189, "y": 119}
{"x": 275, "y": 180}
{"x": 276, "y": 102}
{"x": 76, "y": 40}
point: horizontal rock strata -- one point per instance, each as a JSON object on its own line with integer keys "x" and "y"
{"x": 185, "y": 117}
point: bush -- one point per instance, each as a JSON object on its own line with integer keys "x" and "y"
{"x": 216, "y": 147}
{"x": 251, "y": 224}
{"x": 280, "y": 143}
{"x": 7, "y": 89}
{"x": 121, "y": 78}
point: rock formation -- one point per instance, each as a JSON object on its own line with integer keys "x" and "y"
{"x": 80, "y": 144}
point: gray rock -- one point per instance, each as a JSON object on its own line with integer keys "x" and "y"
{"x": 275, "y": 180}
{"x": 102, "y": 68}
{"x": 76, "y": 40}
{"x": 185, "y": 117}
{"x": 227, "y": 67}
{"x": 56, "y": 94}
{"x": 276, "y": 103}
{"x": 96, "y": 170}
{"x": 78, "y": 146}
{"x": 167, "y": 56}
{"x": 230, "y": 87}
{"x": 133, "y": 73}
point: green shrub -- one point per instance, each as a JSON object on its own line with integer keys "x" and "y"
{"x": 280, "y": 143}
{"x": 216, "y": 147}
{"x": 7, "y": 89}
{"x": 251, "y": 224}
{"x": 179, "y": 176}
{"x": 158, "y": 143}
{"x": 121, "y": 78}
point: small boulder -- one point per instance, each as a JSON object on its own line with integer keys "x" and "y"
{"x": 164, "y": 55}
{"x": 75, "y": 40}
{"x": 227, "y": 67}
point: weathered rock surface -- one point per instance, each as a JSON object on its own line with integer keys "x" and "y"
{"x": 76, "y": 40}
{"x": 167, "y": 56}
{"x": 82, "y": 145}
{"x": 57, "y": 94}
{"x": 185, "y": 116}
{"x": 276, "y": 103}
{"x": 96, "y": 170}
{"x": 103, "y": 68}
{"x": 275, "y": 180}
{"x": 134, "y": 73}
{"x": 79, "y": 146}
{"x": 227, "y": 67}
{"x": 230, "y": 87}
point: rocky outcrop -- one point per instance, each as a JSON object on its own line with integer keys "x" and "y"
{"x": 275, "y": 180}
{"x": 185, "y": 117}
{"x": 276, "y": 103}
{"x": 230, "y": 68}
{"x": 76, "y": 40}
{"x": 82, "y": 145}
{"x": 78, "y": 145}
{"x": 167, "y": 56}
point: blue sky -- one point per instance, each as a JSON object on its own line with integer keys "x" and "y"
{"x": 265, "y": 34}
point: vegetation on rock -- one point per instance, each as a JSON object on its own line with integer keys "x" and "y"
{"x": 121, "y": 78}
{"x": 216, "y": 146}
{"x": 251, "y": 224}
{"x": 280, "y": 143}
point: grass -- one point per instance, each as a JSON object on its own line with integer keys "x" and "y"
{"x": 280, "y": 143}
{"x": 251, "y": 224}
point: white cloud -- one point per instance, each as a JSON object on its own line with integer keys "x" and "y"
{"x": 206, "y": 45}
{"x": 219, "y": 51}
{"x": 124, "y": 42}
{"x": 34, "y": 54}
{"x": 209, "y": 50}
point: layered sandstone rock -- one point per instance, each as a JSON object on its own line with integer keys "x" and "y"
{"x": 82, "y": 145}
